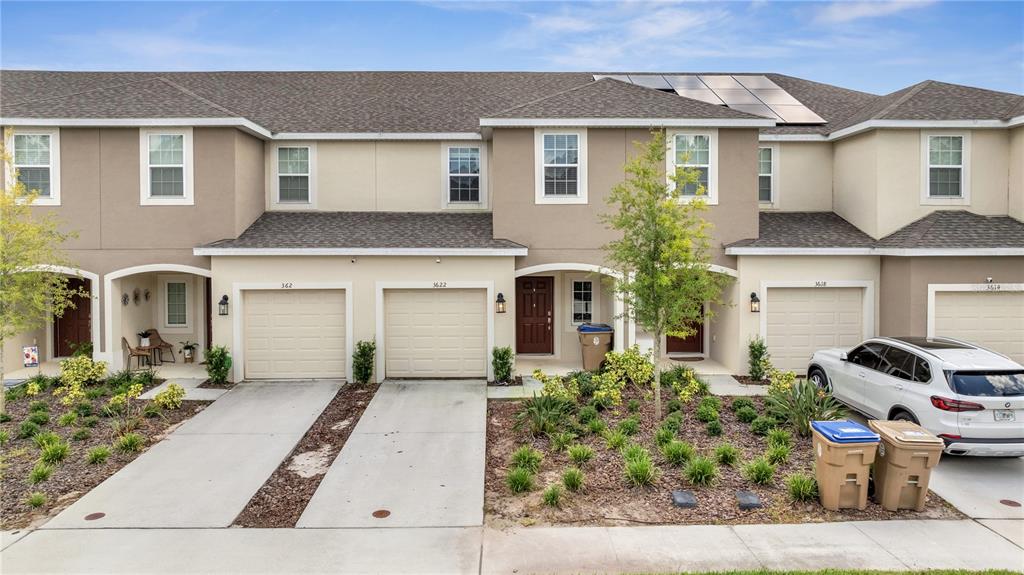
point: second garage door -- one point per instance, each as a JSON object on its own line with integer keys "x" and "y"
{"x": 990, "y": 319}
{"x": 802, "y": 320}
{"x": 435, "y": 333}
{"x": 294, "y": 334}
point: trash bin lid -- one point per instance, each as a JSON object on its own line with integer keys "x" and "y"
{"x": 844, "y": 431}
{"x": 905, "y": 433}
{"x": 594, "y": 328}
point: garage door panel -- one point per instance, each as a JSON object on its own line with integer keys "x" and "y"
{"x": 990, "y": 319}
{"x": 435, "y": 333}
{"x": 802, "y": 320}
{"x": 294, "y": 334}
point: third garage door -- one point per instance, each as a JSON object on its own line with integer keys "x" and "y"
{"x": 990, "y": 319}
{"x": 294, "y": 334}
{"x": 435, "y": 333}
{"x": 802, "y": 320}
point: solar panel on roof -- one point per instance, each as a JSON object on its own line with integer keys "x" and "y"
{"x": 757, "y": 109}
{"x": 650, "y": 81}
{"x": 702, "y": 94}
{"x": 687, "y": 82}
{"x": 799, "y": 114}
{"x": 721, "y": 82}
{"x": 775, "y": 96}
{"x": 731, "y": 97}
{"x": 756, "y": 82}
{"x": 619, "y": 77}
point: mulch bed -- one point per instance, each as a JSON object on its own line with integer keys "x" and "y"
{"x": 73, "y": 477}
{"x": 282, "y": 499}
{"x": 517, "y": 380}
{"x": 747, "y": 380}
{"x": 210, "y": 385}
{"x": 608, "y": 500}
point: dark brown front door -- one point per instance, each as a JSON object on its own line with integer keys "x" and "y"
{"x": 75, "y": 326}
{"x": 535, "y": 315}
{"x": 692, "y": 344}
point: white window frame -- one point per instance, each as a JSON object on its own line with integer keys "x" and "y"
{"x": 711, "y": 195}
{"x": 446, "y": 202}
{"x": 145, "y": 199}
{"x": 581, "y": 168}
{"x": 774, "y": 175}
{"x": 163, "y": 280}
{"x": 965, "y": 170}
{"x": 595, "y": 295}
{"x": 275, "y": 177}
{"x": 54, "y": 134}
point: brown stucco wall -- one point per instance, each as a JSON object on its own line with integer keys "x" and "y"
{"x": 903, "y": 297}
{"x": 250, "y": 198}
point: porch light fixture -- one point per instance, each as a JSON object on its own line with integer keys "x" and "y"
{"x": 499, "y": 304}
{"x": 755, "y": 303}
{"x": 222, "y": 305}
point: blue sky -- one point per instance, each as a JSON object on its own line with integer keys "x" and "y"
{"x": 872, "y": 46}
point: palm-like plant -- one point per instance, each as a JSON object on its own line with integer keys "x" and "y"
{"x": 803, "y": 403}
{"x": 543, "y": 414}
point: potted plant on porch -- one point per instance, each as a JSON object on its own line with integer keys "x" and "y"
{"x": 188, "y": 350}
{"x": 143, "y": 338}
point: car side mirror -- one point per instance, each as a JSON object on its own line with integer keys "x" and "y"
{"x": 842, "y": 356}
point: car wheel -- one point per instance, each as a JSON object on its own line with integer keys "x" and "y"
{"x": 819, "y": 379}
{"x": 903, "y": 416}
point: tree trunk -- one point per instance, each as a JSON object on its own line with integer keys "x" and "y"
{"x": 657, "y": 376}
{"x": 3, "y": 388}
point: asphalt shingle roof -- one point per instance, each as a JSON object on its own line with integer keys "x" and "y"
{"x": 369, "y": 230}
{"x": 805, "y": 230}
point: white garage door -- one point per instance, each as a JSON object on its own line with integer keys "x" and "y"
{"x": 802, "y": 320}
{"x": 990, "y": 319}
{"x": 294, "y": 334}
{"x": 435, "y": 333}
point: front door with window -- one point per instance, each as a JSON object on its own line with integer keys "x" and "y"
{"x": 74, "y": 327}
{"x": 535, "y": 315}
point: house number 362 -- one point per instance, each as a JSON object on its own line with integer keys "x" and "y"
{"x": 286, "y": 285}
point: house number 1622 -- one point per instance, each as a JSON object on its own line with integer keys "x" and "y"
{"x": 440, "y": 284}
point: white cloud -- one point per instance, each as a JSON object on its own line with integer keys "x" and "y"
{"x": 840, "y": 12}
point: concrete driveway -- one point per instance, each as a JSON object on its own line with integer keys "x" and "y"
{"x": 204, "y": 473}
{"x": 417, "y": 453}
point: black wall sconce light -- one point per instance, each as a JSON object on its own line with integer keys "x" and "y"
{"x": 222, "y": 305}
{"x": 755, "y": 303}
{"x": 499, "y": 304}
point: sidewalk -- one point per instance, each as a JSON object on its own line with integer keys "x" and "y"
{"x": 897, "y": 545}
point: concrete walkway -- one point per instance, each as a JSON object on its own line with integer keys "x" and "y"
{"x": 416, "y": 453}
{"x": 977, "y": 485}
{"x": 204, "y": 473}
{"x": 896, "y": 545}
{"x": 192, "y": 390}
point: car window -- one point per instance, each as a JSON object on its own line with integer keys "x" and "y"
{"x": 922, "y": 371}
{"x": 898, "y": 363}
{"x": 988, "y": 383}
{"x": 867, "y": 355}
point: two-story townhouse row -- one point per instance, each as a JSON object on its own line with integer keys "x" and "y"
{"x": 287, "y": 215}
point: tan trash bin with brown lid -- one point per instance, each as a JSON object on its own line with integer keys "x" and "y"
{"x": 906, "y": 455}
{"x": 843, "y": 453}
{"x": 595, "y": 342}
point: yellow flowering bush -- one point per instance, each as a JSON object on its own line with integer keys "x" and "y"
{"x": 171, "y": 397}
{"x": 780, "y": 381}
{"x": 75, "y": 373}
{"x": 630, "y": 366}
{"x": 609, "y": 389}
{"x": 557, "y": 386}
{"x": 32, "y": 388}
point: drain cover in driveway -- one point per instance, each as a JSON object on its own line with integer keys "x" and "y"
{"x": 381, "y": 513}
{"x": 1010, "y": 502}
{"x": 95, "y": 516}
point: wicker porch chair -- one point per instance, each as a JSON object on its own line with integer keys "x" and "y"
{"x": 135, "y": 352}
{"x": 162, "y": 345}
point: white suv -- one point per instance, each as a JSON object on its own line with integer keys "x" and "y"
{"x": 969, "y": 396}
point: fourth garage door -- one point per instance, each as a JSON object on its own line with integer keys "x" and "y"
{"x": 435, "y": 333}
{"x": 294, "y": 334}
{"x": 802, "y": 320}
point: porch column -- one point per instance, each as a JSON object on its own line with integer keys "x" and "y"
{"x": 620, "y": 331}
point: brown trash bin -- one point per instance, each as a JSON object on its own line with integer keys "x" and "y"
{"x": 595, "y": 342}
{"x": 906, "y": 455}
{"x": 842, "y": 467}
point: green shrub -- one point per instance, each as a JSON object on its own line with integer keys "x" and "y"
{"x": 712, "y": 401}
{"x": 97, "y": 455}
{"x": 596, "y": 426}
{"x": 634, "y": 451}
{"x": 14, "y": 394}
{"x": 630, "y": 366}
{"x": 587, "y": 414}
{"x": 170, "y": 398}
{"x": 580, "y": 454}
{"x": 89, "y": 421}
{"x": 714, "y": 428}
{"x": 83, "y": 409}
{"x": 707, "y": 413}
{"x": 552, "y": 496}
{"x": 780, "y": 381}
{"x": 558, "y": 387}
{"x": 502, "y": 359}
{"x": 218, "y": 364}
{"x": 741, "y": 402}
{"x": 802, "y": 487}
{"x": 727, "y": 454}
{"x": 38, "y": 417}
{"x": 640, "y": 472}
{"x": 44, "y": 438}
{"x": 673, "y": 421}
{"x": 44, "y": 382}
{"x": 28, "y": 429}
{"x": 777, "y": 454}
{"x": 129, "y": 443}
{"x": 700, "y": 471}
{"x": 76, "y": 372}
{"x": 543, "y": 414}
{"x": 5, "y": 417}
{"x": 673, "y": 406}
{"x": 746, "y": 414}
{"x": 67, "y": 419}
{"x": 527, "y": 458}
{"x": 629, "y": 426}
{"x": 762, "y": 425}
{"x": 573, "y": 479}
{"x": 519, "y": 480}
{"x": 608, "y": 390}
{"x": 663, "y": 435}
{"x": 122, "y": 378}
{"x": 143, "y": 378}
{"x": 801, "y": 403}
{"x": 36, "y": 499}
{"x": 675, "y": 377}
{"x": 81, "y": 435}
{"x": 780, "y": 437}
{"x": 560, "y": 441}
{"x": 760, "y": 471}
{"x": 95, "y": 392}
{"x": 760, "y": 360}
{"x": 40, "y": 473}
{"x": 54, "y": 452}
{"x": 633, "y": 405}
{"x": 4, "y": 437}
{"x": 615, "y": 440}
{"x": 151, "y": 410}
{"x": 39, "y": 405}
{"x": 678, "y": 452}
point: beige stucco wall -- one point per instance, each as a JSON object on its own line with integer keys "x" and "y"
{"x": 249, "y": 191}
{"x": 829, "y": 269}
{"x": 855, "y": 189}
{"x": 803, "y": 182}
{"x": 12, "y": 359}
{"x": 363, "y": 273}
{"x": 396, "y": 176}
{"x": 1015, "y": 200}
{"x": 904, "y": 285}
{"x": 567, "y": 343}
{"x": 144, "y": 315}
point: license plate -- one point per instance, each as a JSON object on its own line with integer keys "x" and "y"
{"x": 1003, "y": 414}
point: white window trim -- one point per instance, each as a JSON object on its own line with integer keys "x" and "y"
{"x": 54, "y": 133}
{"x": 187, "y": 177}
{"x": 711, "y": 195}
{"x": 775, "y": 175}
{"x": 484, "y": 198}
{"x": 538, "y": 154}
{"x": 965, "y": 171}
{"x": 595, "y": 298}
{"x": 162, "y": 281}
{"x": 275, "y": 177}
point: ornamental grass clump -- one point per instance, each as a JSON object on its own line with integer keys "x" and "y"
{"x": 712, "y": 401}
{"x": 55, "y": 452}
{"x": 674, "y": 421}
{"x": 519, "y": 480}
{"x": 780, "y": 437}
{"x": 746, "y": 414}
{"x": 639, "y": 470}
{"x": 615, "y": 440}
{"x": 38, "y": 417}
{"x": 634, "y": 451}
{"x": 27, "y": 429}
{"x": 762, "y": 425}
{"x": 560, "y": 441}
{"x": 580, "y": 454}
{"x": 706, "y": 413}
{"x": 543, "y": 415}
{"x": 67, "y": 419}
{"x": 573, "y": 479}
{"x": 663, "y": 435}
{"x": 97, "y": 455}
{"x": 129, "y": 443}
{"x": 802, "y": 487}
{"x": 44, "y": 438}
{"x": 727, "y": 454}
{"x": 700, "y": 471}
{"x": 759, "y": 471}
{"x": 587, "y": 414}
{"x": 799, "y": 403}
{"x": 596, "y": 426}
{"x": 39, "y": 405}
{"x": 678, "y": 452}
{"x": 40, "y": 473}
{"x": 81, "y": 435}
{"x": 527, "y": 458}
{"x": 36, "y": 499}
{"x": 714, "y": 428}
{"x": 777, "y": 454}
{"x": 552, "y": 496}
{"x": 629, "y": 426}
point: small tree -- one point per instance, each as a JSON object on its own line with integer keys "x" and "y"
{"x": 30, "y": 246}
{"x": 664, "y": 252}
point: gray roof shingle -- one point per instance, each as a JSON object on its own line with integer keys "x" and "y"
{"x": 805, "y": 230}
{"x": 362, "y": 230}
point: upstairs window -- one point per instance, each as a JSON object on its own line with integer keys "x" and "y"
{"x": 765, "y": 176}
{"x": 35, "y": 161}
{"x": 293, "y": 174}
{"x": 562, "y": 171}
{"x": 696, "y": 151}
{"x": 945, "y": 166}
{"x": 166, "y": 167}
{"x": 582, "y": 301}
{"x": 464, "y": 175}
